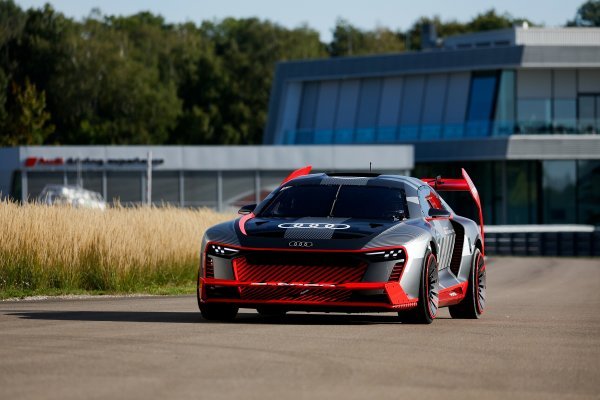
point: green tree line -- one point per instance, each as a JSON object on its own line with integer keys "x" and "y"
{"x": 140, "y": 80}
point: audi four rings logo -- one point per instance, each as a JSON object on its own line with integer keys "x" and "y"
{"x": 300, "y": 244}
{"x": 300, "y": 225}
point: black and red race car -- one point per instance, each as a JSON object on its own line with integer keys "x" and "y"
{"x": 350, "y": 243}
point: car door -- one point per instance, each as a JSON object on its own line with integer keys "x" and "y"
{"x": 442, "y": 227}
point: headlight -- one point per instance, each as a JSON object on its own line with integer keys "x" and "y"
{"x": 221, "y": 251}
{"x": 387, "y": 255}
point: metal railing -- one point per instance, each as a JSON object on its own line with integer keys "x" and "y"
{"x": 540, "y": 240}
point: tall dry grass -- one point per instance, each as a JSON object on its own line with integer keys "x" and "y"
{"x": 65, "y": 250}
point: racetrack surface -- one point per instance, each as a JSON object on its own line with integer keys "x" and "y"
{"x": 539, "y": 339}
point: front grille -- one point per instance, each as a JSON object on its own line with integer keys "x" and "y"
{"x": 299, "y": 267}
{"x": 290, "y": 293}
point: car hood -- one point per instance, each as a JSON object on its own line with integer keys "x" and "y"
{"x": 315, "y": 228}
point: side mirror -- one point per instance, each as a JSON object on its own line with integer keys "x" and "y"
{"x": 438, "y": 213}
{"x": 247, "y": 209}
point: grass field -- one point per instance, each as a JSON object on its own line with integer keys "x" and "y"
{"x": 64, "y": 250}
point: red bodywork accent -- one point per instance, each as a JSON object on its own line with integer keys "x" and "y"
{"x": 242, "y": 222}
{"x": 453, "y": 294}
{"x": 306, "y": 285}
{"x": 460, "y": 185}
{"x": 434, "y": 202}
{"x": 299, "y": 172}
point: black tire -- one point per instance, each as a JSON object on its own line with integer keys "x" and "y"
{"x": 215, "y": 312}
{"x": 271, "y": 312}
{"x": 428, "y": 303}
{"x": 198, "y": 290}
{"x": 473, "y": 304}
{"x": 218, "y": 311}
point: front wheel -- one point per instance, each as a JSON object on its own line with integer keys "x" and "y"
{"x": 271, "y": 312}
{"x": 428, "y": 303}
{"x": 473, "y": 304}
{"x": 218, "y": 312}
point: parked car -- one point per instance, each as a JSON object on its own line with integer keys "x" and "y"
{"x": 74, "y": 196}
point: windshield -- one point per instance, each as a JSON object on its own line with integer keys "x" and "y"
{"x": 341, "y": 201}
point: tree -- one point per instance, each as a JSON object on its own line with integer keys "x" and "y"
{"x": 349, "y": 40}
{"x": 111, "y": 90}
{"x": 588, "y": 15}
{"x": 28, "y": 120}
{"x": 234, "y": 81}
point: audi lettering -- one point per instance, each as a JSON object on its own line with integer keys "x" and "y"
{"x": 300, "y": 244}
{"x": 312, "y": 225}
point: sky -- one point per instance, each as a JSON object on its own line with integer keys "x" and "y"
{"x": 322, "y": 14}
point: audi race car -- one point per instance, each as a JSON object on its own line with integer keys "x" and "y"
{"x": 347, "y": 243}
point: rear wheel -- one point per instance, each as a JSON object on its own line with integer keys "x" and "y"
{"x": 473, "y": 304}
{"x": 427, "y": 305}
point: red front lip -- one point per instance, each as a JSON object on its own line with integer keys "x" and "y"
{"x": 348, "y": 286}
{"x": 397, "y": 298}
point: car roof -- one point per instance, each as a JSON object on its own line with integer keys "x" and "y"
{"x": 410, "y": 184}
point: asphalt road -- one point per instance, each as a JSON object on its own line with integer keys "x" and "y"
{"x": 539, "y": 339}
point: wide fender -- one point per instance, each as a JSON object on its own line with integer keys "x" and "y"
{"x": 411, "y": 276}
{"x": 416, "y": 240}
{"x": 471, "y": 241}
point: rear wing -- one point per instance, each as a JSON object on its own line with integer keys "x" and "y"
{"x": 460, "y": 185}
{"x": 295, "y": 174}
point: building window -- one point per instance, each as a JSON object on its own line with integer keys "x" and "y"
{"x": 521, "y": 192}
{"x": 589, "y": 113}
{"x": 308, "y": 106}
{"x": 508, "y": 190}
{"x": 565, "y": 116}
{"x": 239, "y": 189}
{"x": 165, "y": 187}
{"x": 559, "y": 192}
{"x": 90, "y": 180}
{"x": 534, "y": 115}
{"x": 124, "y": 187}
{"x": 347, "y": 105}
{"x": 481, "y": 103}
{"x": 504, "y": 118}
{"x": 200, "y": 189}
{"x": 588, "y": 191}
{"x": 368, "y": 110}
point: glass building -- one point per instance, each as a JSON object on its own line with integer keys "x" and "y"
{"x": 519, "y": 108}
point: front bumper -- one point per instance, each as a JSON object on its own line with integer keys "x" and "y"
{"x": 354, "y": 296}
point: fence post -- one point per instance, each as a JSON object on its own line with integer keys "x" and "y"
{"x": 149, "y": 179}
